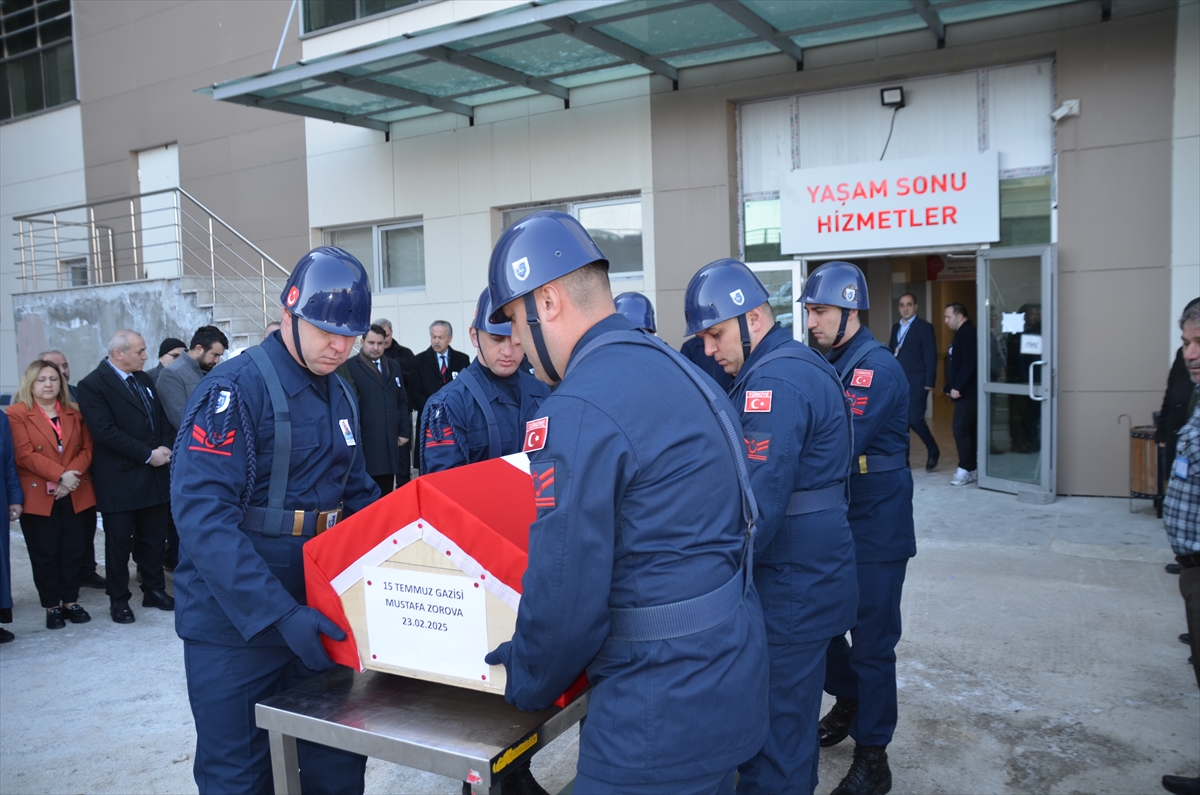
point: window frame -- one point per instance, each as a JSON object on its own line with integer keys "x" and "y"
{"x": 376, "y": 267}
{"x": 358, "y": 17}
{"x": 573, "y": 206}
{"x": 40, "y": 50}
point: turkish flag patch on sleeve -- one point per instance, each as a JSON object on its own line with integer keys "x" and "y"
{"x": 758, "y": 446}
{"x": 758, "y": 401}
{"x": 543, "y": 484}
{"x": 535, "y": 434}
{"x": 862, "y": 378}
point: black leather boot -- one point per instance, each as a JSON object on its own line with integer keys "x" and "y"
{"x": 835, "y": 726}
{"x": 869, "y": 772}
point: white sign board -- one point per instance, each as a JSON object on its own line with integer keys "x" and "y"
{"x": 894, "y": 204}
{"x": 428, "y": 622}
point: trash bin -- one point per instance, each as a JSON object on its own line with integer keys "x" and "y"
{"x": 1143, "y": 463}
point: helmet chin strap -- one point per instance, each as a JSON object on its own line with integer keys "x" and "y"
{"x": 296, "y": 341}
{"x": 744, "y": 328}
{"x": 841, "y": 327}
{"x": 539, "y": 342}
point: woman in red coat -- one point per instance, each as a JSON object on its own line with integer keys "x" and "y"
{"x": 53, "y": 450}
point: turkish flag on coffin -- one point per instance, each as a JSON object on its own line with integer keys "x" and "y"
{"x": 482, "y": 513}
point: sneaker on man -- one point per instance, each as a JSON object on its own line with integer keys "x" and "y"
{"x": 972, "y": 476}
{"x": 962, "y": 477}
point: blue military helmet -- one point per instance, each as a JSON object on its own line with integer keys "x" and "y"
{"x": 329, "y": 288}
{"x": 721, "y": 290}
{"x": 532, "y": 252}
{"x": 483, "y": 311}
{"x": 836, "y": 284}
{"x": 638, "y": 309}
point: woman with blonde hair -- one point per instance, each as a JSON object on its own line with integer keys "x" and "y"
{"x": 53, "y": 450}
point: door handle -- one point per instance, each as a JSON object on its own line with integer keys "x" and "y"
{"x": 1032, "y": 396}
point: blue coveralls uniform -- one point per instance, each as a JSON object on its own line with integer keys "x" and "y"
{"x": 454, "y": 424}
{"x": 881, "y": 519}
{"x": 642, "y": 510}
{"x": 804, "y": 565}
{"x": 233, "y": 584}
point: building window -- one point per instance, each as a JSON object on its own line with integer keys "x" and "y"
{"x": 393, "y": 253}
{"x": 761, "y": 220}
{"x": 615, "y": 224}
{"x": 1025, "y": 211}
{"x": 320, "y": 14}
{"x": 37, "y": 61}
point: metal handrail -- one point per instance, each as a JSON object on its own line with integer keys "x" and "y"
{"x": 124, "y": 229}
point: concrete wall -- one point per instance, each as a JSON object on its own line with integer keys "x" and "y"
{"x": 139, "y": 64}
{"x": 453, "y": 177}
{"x": 1114, "y": 191}
{"x": 41, "y": 167}
{"x": 80, "y": 320}
{"x": 1185, "y": 170}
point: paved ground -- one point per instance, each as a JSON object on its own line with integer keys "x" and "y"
{"x": 1040, "y": 655}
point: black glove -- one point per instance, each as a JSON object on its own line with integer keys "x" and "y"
{"x": 302, "y": 629}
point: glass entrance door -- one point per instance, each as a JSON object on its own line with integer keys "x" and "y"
{"x": 1017, "y": 369}
{"x": 784, "y": 285}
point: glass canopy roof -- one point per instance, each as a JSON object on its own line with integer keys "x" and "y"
{"x": 551, "y": 47}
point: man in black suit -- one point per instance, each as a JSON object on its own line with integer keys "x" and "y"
{"x": 436, "y": 366}
{"x": 915, "y": 348}
{"x": 383, "y": 411}
{"x": 394, "y": 350}
{"x": 962, "y": 376}
{"x": 130, "y": 472}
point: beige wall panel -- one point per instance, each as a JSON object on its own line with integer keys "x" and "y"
{"x": 493, "y": 165}
{"x": 1114, "y": 208}
{"x": 1110, "y": 355}
{"x": 139, "y": 65}
{"x": 443, "y": 259}
{"x": 698, "y": 220}
{"x": 691, "y": 141}
{"x": 426, "y": 177}
{"x": 668, "y": 313}
{"x": 475, "y": 250}
{"x": 1123, "y": 76}
{"x": 351, "y": 186}
{"x": 1096, "y": 459}
{"x": 591, "y": 150}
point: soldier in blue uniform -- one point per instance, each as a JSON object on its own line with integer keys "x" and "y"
{"x": 267, "y": 458}
{"x": 797, "y": 444}
{"x": 862, "y": 676}
{"x": 639, "y": 553}
{"x": 638, "y": 309}
{"x": 482, "y": 413}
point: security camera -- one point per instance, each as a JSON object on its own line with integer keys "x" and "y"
{"x": 1069, "y": 107}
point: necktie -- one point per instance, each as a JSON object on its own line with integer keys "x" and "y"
{"x": 379, "y": 364}
{"x": 442, "y": 360}
{"x": 138, "y": 390}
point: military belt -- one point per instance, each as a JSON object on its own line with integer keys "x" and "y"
{"x": 293, "y": 523}
{"x": 814, "y": 500}
{"x": 879, "y": 463}
{"x": 678, "y": 619}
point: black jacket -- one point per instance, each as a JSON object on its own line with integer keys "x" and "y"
{"x": 425, "y": 378}
{"x": 401, "y": 356}
{"x": 124, "y": 439}
{"x": 383, "y": 414}
{"x": 1174, "y": 414}
{"x": 962, "y": 363}
{"x": 918, "y": 356}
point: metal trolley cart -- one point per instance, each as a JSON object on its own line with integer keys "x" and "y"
{"x": 472, "y": 736}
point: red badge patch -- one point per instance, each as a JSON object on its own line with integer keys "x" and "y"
{"x": 757, "y": 446}
{"x": 858, "y": 403}
{"x": 862, "y": 378}
{"x": 535, "y": 434}
{"x": 758, "y": 401}
{"x": 293, "y": 295}
{"x": 543, "y": 484}
{"x": 447, "y": 437}
{"x": 202, "y": 444}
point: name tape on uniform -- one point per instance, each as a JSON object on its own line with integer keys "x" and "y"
{"x": 535, "y": 434}
{"x": 758, "y": 401}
